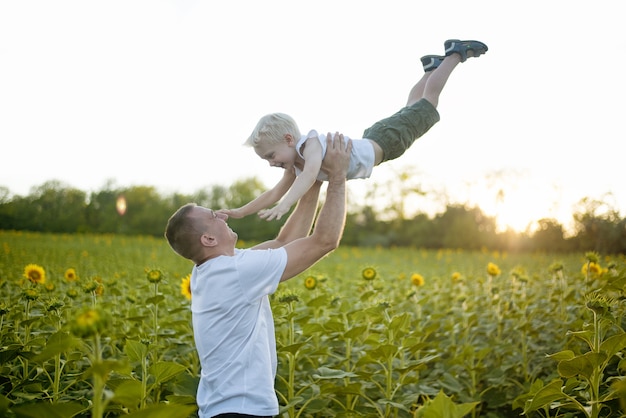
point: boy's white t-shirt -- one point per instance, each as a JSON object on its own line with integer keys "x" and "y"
{"x": 234, "y": 331}
{"x": 361, "y": 157}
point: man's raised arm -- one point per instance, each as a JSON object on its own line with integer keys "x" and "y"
{"x": 305, "y": 252}
{"x": 299, "y": 223}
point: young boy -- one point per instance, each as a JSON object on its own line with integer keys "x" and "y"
{"x": 277, "y": 138}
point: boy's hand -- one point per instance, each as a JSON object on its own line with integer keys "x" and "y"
{"x": 337, "y": 159}
{"x": 274, "y": 213}
{"x": 232, "y": 213}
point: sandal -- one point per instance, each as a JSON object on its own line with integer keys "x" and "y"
{"x": 430, "y": 62}
{"x": 456, "y": 46}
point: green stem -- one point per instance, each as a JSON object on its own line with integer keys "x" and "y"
{"x": 389, "y": 385}
{"x": 595, "y": 376}
{"x": 26, "y": 340}
{"x": 346, "y": 380}
{"x": 57, "y": 378}
{"x": 98, "y": 381}
{"x": 144, "y": 381}
{"x": 291, "y": 358}
{"x": 156, "y": 313}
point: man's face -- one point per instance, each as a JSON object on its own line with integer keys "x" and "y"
{"x": 209, "y": 222}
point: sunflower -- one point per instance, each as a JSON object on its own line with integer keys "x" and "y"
{"x": 369, "y": 273}
{"x": 70, "y": 275}
{"x": 493, "y": 270}
{"x": 89, "y": 322}
{"x": 417, "y": 279}
{"x": 154, "y": 276}
{"x": 36, "y": 274}
{"x": 90, "y": 286}
{"x": 99, "y": 290}
{"x": 185, "y": 287}
{"x": 30, "y": 294}
{"x": 310, "y": 282}
{"x": 288, "y": 297}
{"x": 556, "y": 267}
{"x": 593, "y": 268}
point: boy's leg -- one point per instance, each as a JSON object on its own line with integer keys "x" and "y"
{"x": 432, "y": 83}
{"x": 417, "y": 92}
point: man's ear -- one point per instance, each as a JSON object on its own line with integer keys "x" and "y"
{"x": 289, "y": 139}
{"x": 208, "y": 240}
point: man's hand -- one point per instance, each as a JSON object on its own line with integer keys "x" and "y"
{"x": 337, "y": 159}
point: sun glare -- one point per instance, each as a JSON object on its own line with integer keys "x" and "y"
{"x": 120, "y": 205}
{"x": 519, "y": 207}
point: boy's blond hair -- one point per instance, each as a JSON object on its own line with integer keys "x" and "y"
{"x": 273, "y": 128}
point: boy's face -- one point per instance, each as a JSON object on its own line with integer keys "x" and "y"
{"x": 282, "y": 154}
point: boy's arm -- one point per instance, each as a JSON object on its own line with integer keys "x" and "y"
{"x": 312, "y": 164}
{"x": 264, "y": 200}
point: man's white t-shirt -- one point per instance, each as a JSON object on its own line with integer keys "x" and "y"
{"x": 234, "y": 331}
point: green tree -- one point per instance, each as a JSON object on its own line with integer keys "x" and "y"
{"x": 145, "y": 212}
{"x": 251, "y": 228}
{"x": 460, "y": 227}
{"x": 101, "y": 214}
{"x": 599, "y": 227}
{"x": 549, "y": 236}
{"x": 58, "y": 208}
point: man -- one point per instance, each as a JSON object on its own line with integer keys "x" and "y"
{"x": 232, "y": 318}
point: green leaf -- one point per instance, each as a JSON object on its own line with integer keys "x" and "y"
{"x": 384, "y": 351}
{"x": 9, "y": 353}
{"x": 138, "y": 319}
{"x": 395, "y": 405}
{"x": 443, "y": 407}
{"x": 354, "y": 332}
{"x": 320, "y": 301}
{"x": 586, "y": 336}
{"x": 582, "y": 365}
{"x": 48, "y": 410}
{"x": 312, "y": 328}
{"x": 562, "y": 355}
{"x": 4, "y": 405}
{"x": 155, "y": 300}
{"x": 164, "y": 411}
{"x": 129, "y": 393}
{"x": 326, "y": 373}
{"x": 181, "y": 399}
{"x": 400, "y": 322}
{"x": 135, "y": 350}
{"x": 102, "y": 368}
{"x": 296, "y": 400}
{"x": 293, "y": 348}
{"x": 58, "y": 343}
{"x": 545, "y": 396}
{"x": 614, "y": 344}
{"x": 165, "y": 370}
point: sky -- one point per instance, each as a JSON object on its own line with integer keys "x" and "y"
{"x": 164, "y": 93}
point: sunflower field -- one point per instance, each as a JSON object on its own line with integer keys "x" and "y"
{"x": 100, "y": 326}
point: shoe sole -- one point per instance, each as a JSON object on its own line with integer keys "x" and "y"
{"x": 451, "y": 48}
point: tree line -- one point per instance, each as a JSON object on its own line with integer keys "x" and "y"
{"x": 141, "y": 210}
